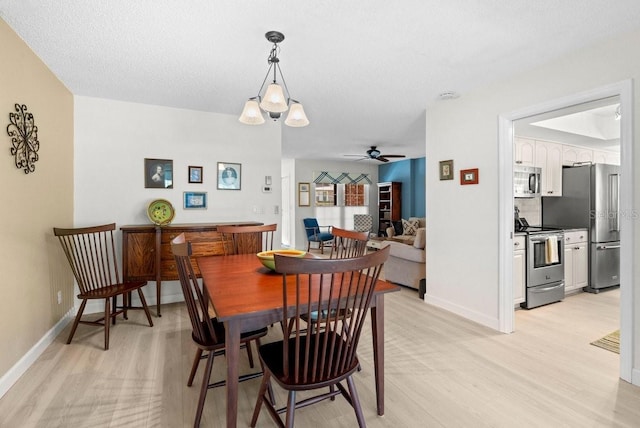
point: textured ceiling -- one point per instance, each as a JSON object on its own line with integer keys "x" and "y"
{"x": 365, "y": 71}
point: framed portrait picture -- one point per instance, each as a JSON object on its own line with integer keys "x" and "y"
{"x": 195, "y": 174}
{"x": 229, "y": 176}
{"x": 446, "y": 170}
{"x": 158, "y": 173}
{"x": 195, "y": 200}
{"x": 469, "y": 176}
{"x": 304, "y": 193}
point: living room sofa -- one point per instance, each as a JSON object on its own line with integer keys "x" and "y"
{"x": 405, "y": 230}
{"x": 406, "y": 264}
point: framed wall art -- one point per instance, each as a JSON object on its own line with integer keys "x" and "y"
{"x": 446, "y": 170}
{"x": 469, "y": 176}
{"x": 195, "y": 200}
{"x": 158, "y": 173}
{"x": 229, "y": 176}
{"x": 304, "y": 193}
{"x": 195, "y": 174}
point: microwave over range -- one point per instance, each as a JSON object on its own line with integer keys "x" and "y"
{"x": 526, "y": 181}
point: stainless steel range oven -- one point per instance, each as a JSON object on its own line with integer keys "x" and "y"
{"x": 545, "y": 267}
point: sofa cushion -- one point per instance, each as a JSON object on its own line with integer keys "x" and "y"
{"x": 421, "y": 238}
{"x": 407, "y": 252}
{"x": 422, "y": 221}
{"x": 397, "y": 227}
{"x": 409, "y": 227}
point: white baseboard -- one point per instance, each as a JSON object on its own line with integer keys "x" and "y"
{"x": 19, "y": 368}
{"x": 635, "y": 377}
{"x": 493, "y": 323}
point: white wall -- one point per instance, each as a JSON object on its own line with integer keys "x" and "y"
{"x": 303, "y": 171}
{"x": 112, "y": 139}
{"x": 462, "y": 262}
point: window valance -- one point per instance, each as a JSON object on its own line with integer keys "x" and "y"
{"x": 326, "y": 177}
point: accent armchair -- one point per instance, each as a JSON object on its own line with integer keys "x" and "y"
{"x": 315, "y": 234}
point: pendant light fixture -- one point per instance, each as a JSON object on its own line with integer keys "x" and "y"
{"x": 274, "y": 102}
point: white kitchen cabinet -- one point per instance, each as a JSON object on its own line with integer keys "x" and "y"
{"x": 575, "y": 154}
{"x": 519, "y": 269}
{"x": 549, "y": 158}
{"x": 576, "y": 260}
{"x": 602, "y": 156}
{"x": 524, "y": 151}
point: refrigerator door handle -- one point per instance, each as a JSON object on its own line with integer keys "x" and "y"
{"x": 607, "y": 247}
{"x": 614, "y": 202}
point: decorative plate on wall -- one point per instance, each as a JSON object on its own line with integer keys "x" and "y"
{"x": 160, "y": 212}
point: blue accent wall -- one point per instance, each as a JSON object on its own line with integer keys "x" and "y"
{"x": 411, "y": 173}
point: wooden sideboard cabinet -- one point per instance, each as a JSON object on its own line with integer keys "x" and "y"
{"x": 146, "y": 249}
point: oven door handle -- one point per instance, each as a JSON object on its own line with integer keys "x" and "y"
{"x": 542, "y": 290}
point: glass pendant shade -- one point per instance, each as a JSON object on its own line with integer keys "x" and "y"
{"x": 251, "y": 114}
{"x": 274, "y": 100}
{"x": 296, "y": 117}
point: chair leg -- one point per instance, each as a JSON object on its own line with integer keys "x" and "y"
{"x": 194, "y": 366}
{"x": 114, "y": 309}
{"x": 261, "y": 397}
{"x": 203, "y": 389}
{"x": 143, "y": 301}
{"x": 291, "y": 409}
{"x": 355, "y": 402}
{"x": 107, "y": 315}
{"x": 77, "y": 321}
{"x": 249, "y": 353}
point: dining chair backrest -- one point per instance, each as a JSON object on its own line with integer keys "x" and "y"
{"x": 247, "y": 239}
{"x": 196, "y": 301}
{"x": 328, "y": 352}
{"x": 348, "y": 243}
{"x": 91, "y": 253}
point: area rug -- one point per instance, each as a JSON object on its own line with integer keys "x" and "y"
{"x": 611, "y": 342}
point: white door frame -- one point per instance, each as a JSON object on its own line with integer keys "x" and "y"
{"x": 624, "y": 90}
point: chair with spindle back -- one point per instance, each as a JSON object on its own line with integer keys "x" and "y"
{"x": 310, "y": 360}
{"x": 247, "y": 239}
{"x": 92, "y": 255}
{"x": 207, "y": 333}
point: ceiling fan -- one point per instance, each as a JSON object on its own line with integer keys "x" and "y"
{"x": 374, "y": 153}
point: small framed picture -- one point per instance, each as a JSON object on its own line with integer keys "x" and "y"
{"x": 195, "y": 200}
{"x": 158, "y": 173}
{"x": 304, "y": 194}
{"x": 229, "y": 176}
{"x": 469, "y": 176}
{"x": 446, "y": 170}
{"x": 195, "y": 174}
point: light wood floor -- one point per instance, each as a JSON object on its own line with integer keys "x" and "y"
{"x": 441, "y": 371}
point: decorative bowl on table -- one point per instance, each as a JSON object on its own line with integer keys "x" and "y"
{"x": 266, "y": 257}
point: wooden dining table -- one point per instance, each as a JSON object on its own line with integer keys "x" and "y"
{"x": 246, "y": 296}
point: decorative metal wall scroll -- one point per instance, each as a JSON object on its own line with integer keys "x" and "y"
{"x": 24, "y": 138}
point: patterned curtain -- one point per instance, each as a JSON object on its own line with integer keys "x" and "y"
{"x": 326, "y": 177}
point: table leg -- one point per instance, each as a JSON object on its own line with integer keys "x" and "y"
{"x": 377, "y": 331}
{"x": 232, "y": 336}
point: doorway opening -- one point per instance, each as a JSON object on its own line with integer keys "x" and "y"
{"x": 623, "y": 92}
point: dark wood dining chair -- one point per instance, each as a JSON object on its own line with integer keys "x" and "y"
{"x": 348, "y": 243}
{"x": 91, "y": 254}
{"x": 314, "y": 359}
{"x": 207, "y": 333}
{"x": 247, "y": 239}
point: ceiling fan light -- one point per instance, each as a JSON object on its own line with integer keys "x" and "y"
{"x": 296, "y": 117}
{"x": 274, "y": 100}
{"x": 251, "y": 114}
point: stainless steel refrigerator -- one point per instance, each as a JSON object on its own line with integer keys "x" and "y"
{"x": 590, "y": 200}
